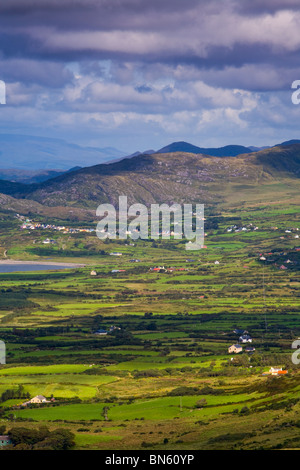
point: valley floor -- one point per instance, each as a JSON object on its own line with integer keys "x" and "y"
{"x": 159, "y": 374}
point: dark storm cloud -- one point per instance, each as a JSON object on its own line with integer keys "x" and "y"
{"x": 175, "y": 65}
{"x": 207, "y": 34}
{"x": 93, "y": 14}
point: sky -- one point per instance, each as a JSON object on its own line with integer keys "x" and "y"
{"x": 140, "y": 74}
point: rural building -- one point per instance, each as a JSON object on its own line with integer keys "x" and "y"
{"x": 39, "y": 399}
{"x": 159, "y": 269}
{"x": 240, "y": 332}
{"x": 101, "y": 332}
{"x": 5, "y": 441}
{"x": 114, "y": 328}
{"x": 277, "y": 371}
{"x": 236, "y": 348}
{"x": 245, "y": 339}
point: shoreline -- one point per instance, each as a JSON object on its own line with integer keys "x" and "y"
{"x": 11, "y": 262}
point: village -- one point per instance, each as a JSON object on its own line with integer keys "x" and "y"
{"x": 28, "y": 224}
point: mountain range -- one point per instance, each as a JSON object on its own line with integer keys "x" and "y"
{"x": 181, "y": 177}
{"x": 32, "y": 159}
{"x": 227, "y": 151}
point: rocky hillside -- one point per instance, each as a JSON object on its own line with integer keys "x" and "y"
{"x": 173, "y": 177}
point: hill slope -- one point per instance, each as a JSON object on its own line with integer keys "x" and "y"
{"x": 173, "y": 177}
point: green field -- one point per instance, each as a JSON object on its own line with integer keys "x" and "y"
{"x": 162, "y": 378}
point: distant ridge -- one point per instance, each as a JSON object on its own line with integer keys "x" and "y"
{"x": 227, "y": 151}
{"x": 288, "y": 142}
{"x": 164, "y": 178}
{"x": 27, "y": 152}
{"x": 32, "y": 176}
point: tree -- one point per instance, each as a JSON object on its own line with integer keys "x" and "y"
{"x": 61, "y": 439}
{"x": 201, "y": 403}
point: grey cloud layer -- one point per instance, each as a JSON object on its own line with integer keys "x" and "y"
{"x": 109, "y": 62}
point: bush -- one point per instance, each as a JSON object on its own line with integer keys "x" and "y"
{"x": 42, "y": 438}
{"x": 181, "y": 391}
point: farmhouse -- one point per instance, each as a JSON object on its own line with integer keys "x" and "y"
{"x": 39, "y": 399}
{"x": 101, "y": 332}
{"x": 236, "y": 348}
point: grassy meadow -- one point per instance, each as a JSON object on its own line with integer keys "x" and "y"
{"x": 163, "y": 377}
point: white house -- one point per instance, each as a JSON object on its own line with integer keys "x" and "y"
{"x": 37, "y": 400}
{"x": 245, "y": 339}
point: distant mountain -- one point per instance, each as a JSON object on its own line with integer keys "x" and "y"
{"x": 31, "y": 176}
{"x": 172, "y": 177}
{"x": 227, "y": 151}
{"x": 44, "y": 153}
{"x": 289, "y": 142}
{"x": 257, "y": 149}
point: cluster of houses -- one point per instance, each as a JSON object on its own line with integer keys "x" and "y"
{"x": 245, "y": 228}
{"x": 28, "y": 224}
{"x": 106, "y": 332}
{"x": 38, "y": 226}
{"x": 162, "y": 269}
{"x": 268, "y": 258}
{"x": 289, "y": 231}
{"x": 244, "y": 338}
